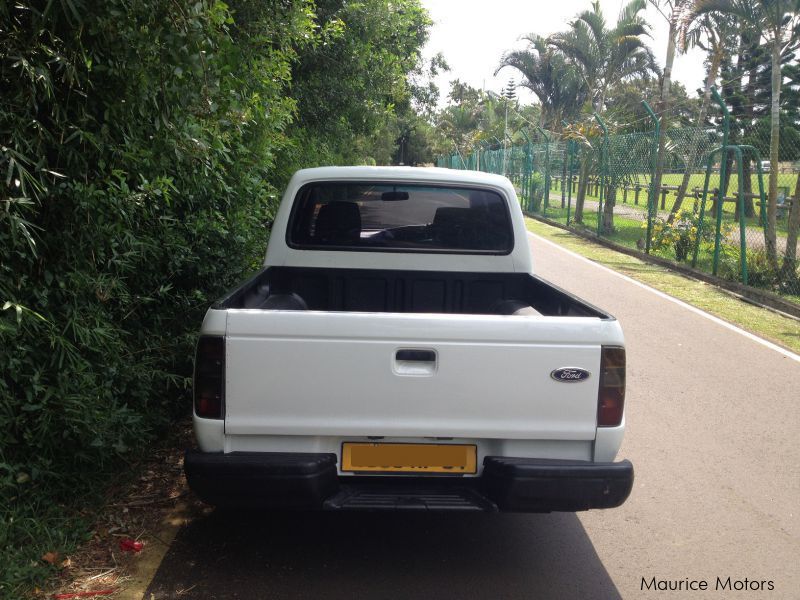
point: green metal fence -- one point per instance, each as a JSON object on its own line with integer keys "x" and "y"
{"x": 604, "y": 184}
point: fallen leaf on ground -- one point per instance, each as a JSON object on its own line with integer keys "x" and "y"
{"x": 129, "y": 545}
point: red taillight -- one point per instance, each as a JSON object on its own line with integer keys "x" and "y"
{"x": 611, "y": 397}
{"x": 209, "y": 377}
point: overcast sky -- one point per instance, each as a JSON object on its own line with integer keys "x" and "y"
{"x": 473, "y": 34}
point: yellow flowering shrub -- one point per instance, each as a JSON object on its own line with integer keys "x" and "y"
{"x": 681, "y": 233}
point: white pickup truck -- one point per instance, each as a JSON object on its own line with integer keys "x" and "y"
{"x": 397, "y": 352}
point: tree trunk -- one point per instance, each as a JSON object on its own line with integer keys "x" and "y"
{"x": 747, "y": 184}
{"x": 664, "y": 105}
{"x": 732, "y": 191}
{"x": 564, "y": 174}
{"x": 583, "y": 183}
{"x": 789, "y": 268}
{"x": 601, "y": 101}
{"x": 749, "y": 116}
{"x": 729, "y": 166}
{"x": 608, "y": 210}
{"x": 774, "y": 138}
{"x": 713, "y": 70}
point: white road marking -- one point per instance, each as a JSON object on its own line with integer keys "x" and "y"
{"x": 694, "y": 309}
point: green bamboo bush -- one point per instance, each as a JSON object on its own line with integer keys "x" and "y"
{"x": 142, "y": 144}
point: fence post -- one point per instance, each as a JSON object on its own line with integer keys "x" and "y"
{"x": 701, "y": 216}
{"x": 652, "y": 193}
{"x": 756, "y": 157}
{"x": 603, "y": 166}
{"x": 723, "y": 174}
{"x": 567, "y": 174}
{"x": 572, "y": 151}
{"x": 564, "y": 170}
{"x": 742, "y": 227}
{"x": 546, "y": 168}
{"x": 525, "y": 177}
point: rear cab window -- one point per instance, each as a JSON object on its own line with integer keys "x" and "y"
{"x": 390, "y": 217}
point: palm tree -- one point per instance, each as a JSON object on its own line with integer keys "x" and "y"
{"x": 556, "y": 83}
{"x": 607, "y": 56}
{"x": 472, "y": 118}
{"x": 604, "y": 57}
{"x": 458, "y": 123}
{"x": 708, "y": 32}
{"x": 675, "y": 14}
{"x": 773, "y": 21}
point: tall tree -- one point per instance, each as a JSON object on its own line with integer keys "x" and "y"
{"x": 414, "y": 121}
{"x": 459, "y": 121}
{"x": 710, "y": 32}
{"x": 774, "y": 21}
{"x": 624, "y": 104}
{"x": 348, "y": 85}
{"x": 554, "y": 81}
{"x": 674, "y": 12}
{"x": 605, "y": 56}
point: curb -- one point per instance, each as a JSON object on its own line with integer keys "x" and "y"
{"x": 142, "y": 571}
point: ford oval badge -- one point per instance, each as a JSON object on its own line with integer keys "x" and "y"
{"x": 570, "y": 374}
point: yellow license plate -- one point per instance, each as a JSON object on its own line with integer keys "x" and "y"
{"x": 409, "y": 458}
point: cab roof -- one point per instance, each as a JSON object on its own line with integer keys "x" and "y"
{"x": 410, "y": 174}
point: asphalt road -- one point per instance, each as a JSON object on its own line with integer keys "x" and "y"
{"x": 713, "y": 431}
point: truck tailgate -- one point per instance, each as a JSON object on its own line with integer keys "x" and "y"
{"x": 371, "y": 374}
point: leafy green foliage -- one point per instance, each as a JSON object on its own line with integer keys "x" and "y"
{"x": 349, "y": 84}
{"x": 789, "y": 145}
{"x": 624, "y": 105}
{"x": 478, "y": 119}
{"x": 139, "y": 149}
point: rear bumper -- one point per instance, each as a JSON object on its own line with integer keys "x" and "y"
{"x": 540, "y": 485}
{"x": 261, "y": 479}
{"x": 304, "y": 480}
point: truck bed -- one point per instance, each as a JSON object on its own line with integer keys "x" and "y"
{"x": 324, "y": 351}
{"x": 396, "y": 291}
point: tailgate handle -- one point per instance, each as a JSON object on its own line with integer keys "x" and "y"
{"x": 416, "y": 355}
{"x": 414, "y": 362}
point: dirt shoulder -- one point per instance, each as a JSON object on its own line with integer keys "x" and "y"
{"x": 133, "y": 532}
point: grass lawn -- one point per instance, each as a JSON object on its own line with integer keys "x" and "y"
{"x": 786, "y": 185}
{"x": 766, "y": 323}
{"x": 628, "y": 232}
